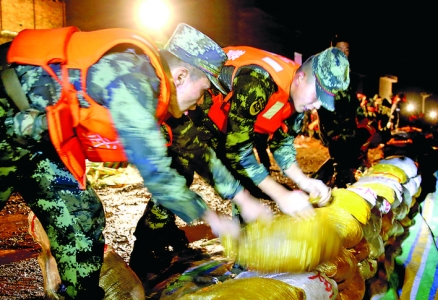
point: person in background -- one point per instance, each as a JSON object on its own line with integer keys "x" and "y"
{"x": 340, "y": 132}
{"x": 397, "y": 101}
{"x": 68, "y": 96}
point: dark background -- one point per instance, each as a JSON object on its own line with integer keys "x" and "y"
{"x": 386, "y": 37}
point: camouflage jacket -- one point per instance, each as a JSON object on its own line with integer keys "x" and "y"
{"x": 251, "y": 84}
{"x": 125, "y": 82}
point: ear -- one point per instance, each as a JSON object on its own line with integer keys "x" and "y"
{"x": 299, "y": 77}
{"x": 180, "y": 75}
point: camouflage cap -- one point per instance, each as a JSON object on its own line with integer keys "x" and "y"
{"x": 197, "y": 49}
{"x": 332, "y": 73}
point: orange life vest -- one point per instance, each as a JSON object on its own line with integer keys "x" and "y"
{"x": 278, "y": 108}
{"x": 80, "y": 133}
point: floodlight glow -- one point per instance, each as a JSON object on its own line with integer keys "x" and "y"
{"x": 154, "y": 14}
{"x": 433, "y": 114}
{"x": 410, "y": 107}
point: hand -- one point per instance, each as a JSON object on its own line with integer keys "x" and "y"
{"x": 220, "y": 225}
{"x": 251, "y": 208}
{"x": 316, "y": 189}
{"x": 296, "y": 204}
{"x": 30, "y": 123}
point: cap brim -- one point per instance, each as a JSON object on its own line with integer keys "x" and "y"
{"x": 216, "y": 83}
{"x": 327, "y": 100}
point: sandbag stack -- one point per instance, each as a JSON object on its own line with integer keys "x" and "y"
{"x": 396, "y": 185}
{"x": 367, "y": 221}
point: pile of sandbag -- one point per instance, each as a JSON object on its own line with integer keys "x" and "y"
{"x": 346, "y": 251}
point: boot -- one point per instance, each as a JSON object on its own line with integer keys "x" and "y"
{"x": 158, "y": 239}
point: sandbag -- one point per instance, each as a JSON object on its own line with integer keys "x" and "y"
{"x": 248, "y": 289}
{"x": 286, "y": 244}
{"x": 116, "y": 277}
{"x": 351, "y": 202}
{"x": 316, "y": 285}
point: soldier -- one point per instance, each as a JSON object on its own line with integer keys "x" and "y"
{"x": 68, "y": 96}
{"x": 268, "y": 93}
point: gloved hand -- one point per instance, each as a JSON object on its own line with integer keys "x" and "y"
{"x": 251, "y": 208}
{"x": 316, "y": 190}
{"x": 295, "y": 203}
{"x": 220, "y": 225}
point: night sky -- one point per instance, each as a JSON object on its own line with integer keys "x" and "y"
{"x": 386, "y": 37}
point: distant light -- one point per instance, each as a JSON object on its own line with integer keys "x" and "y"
{"x": 154, "y": 14}
{"x": 410, "y": 107}
{"x": 433, "y": 114}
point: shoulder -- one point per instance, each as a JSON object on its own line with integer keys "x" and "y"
{"x": 254, "y": 77}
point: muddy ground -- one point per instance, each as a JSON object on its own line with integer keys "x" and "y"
{"x": 124, "y": 200}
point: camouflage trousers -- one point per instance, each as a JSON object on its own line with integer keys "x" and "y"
{"x": 72, "y": 218}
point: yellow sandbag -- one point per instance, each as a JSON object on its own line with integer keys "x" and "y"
{"x": 376, "y": 247}
{"x": 380, "y": 189}
{"x": 116, "y": 277}
{"x": 396, "y": 229}
{"x": 417, "y": 194}
{"x": 372, "y": 229}
{"x": 248, "y": 288}
{"x": 341, "y": 269}
{"x": 387, "y": 221}
{"x": 351, "y": 202}
{"x": 401, "y": 211}
{"x": 316, "y": 285}
{"x": 414, "y": 200}
{"x": 367, "y": 268}
{"x": 348, "y": 227}
{"x": 49, "y": 267}
{"x": 355, "y": 290}
{"x": 406, "y": 222}
{"x": 285, "y": 244}
{"x": 388, "y": 171}
{"x": 361, "y": 251}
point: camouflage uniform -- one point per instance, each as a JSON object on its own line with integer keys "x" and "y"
{"x": 339, "y": 132}
{"x": 189, "y": 154}
{"x": 72, "y": 218}
{"x": 251, "y": 85}
{"x": 198, "y": 146}
{"x": 126, "y": 83}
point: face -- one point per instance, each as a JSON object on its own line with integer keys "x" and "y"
{"x": 303, "y": 93}
{"x": 344, "y": 47}
{"x": 189, "y": 90}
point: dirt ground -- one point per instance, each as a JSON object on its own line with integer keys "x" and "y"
{"x": 124, "y": 201}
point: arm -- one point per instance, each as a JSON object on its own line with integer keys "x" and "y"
{"x": 126, "y": 84}
{"x": 190, "y": 153}
{"x": 251, "y": 92}
{"x": 283, "y": 149}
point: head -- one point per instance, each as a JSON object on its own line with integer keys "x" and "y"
{"x": 195, "y": 61}
{"x": 342, "y": 44}
{"x": 318, "y": 79}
